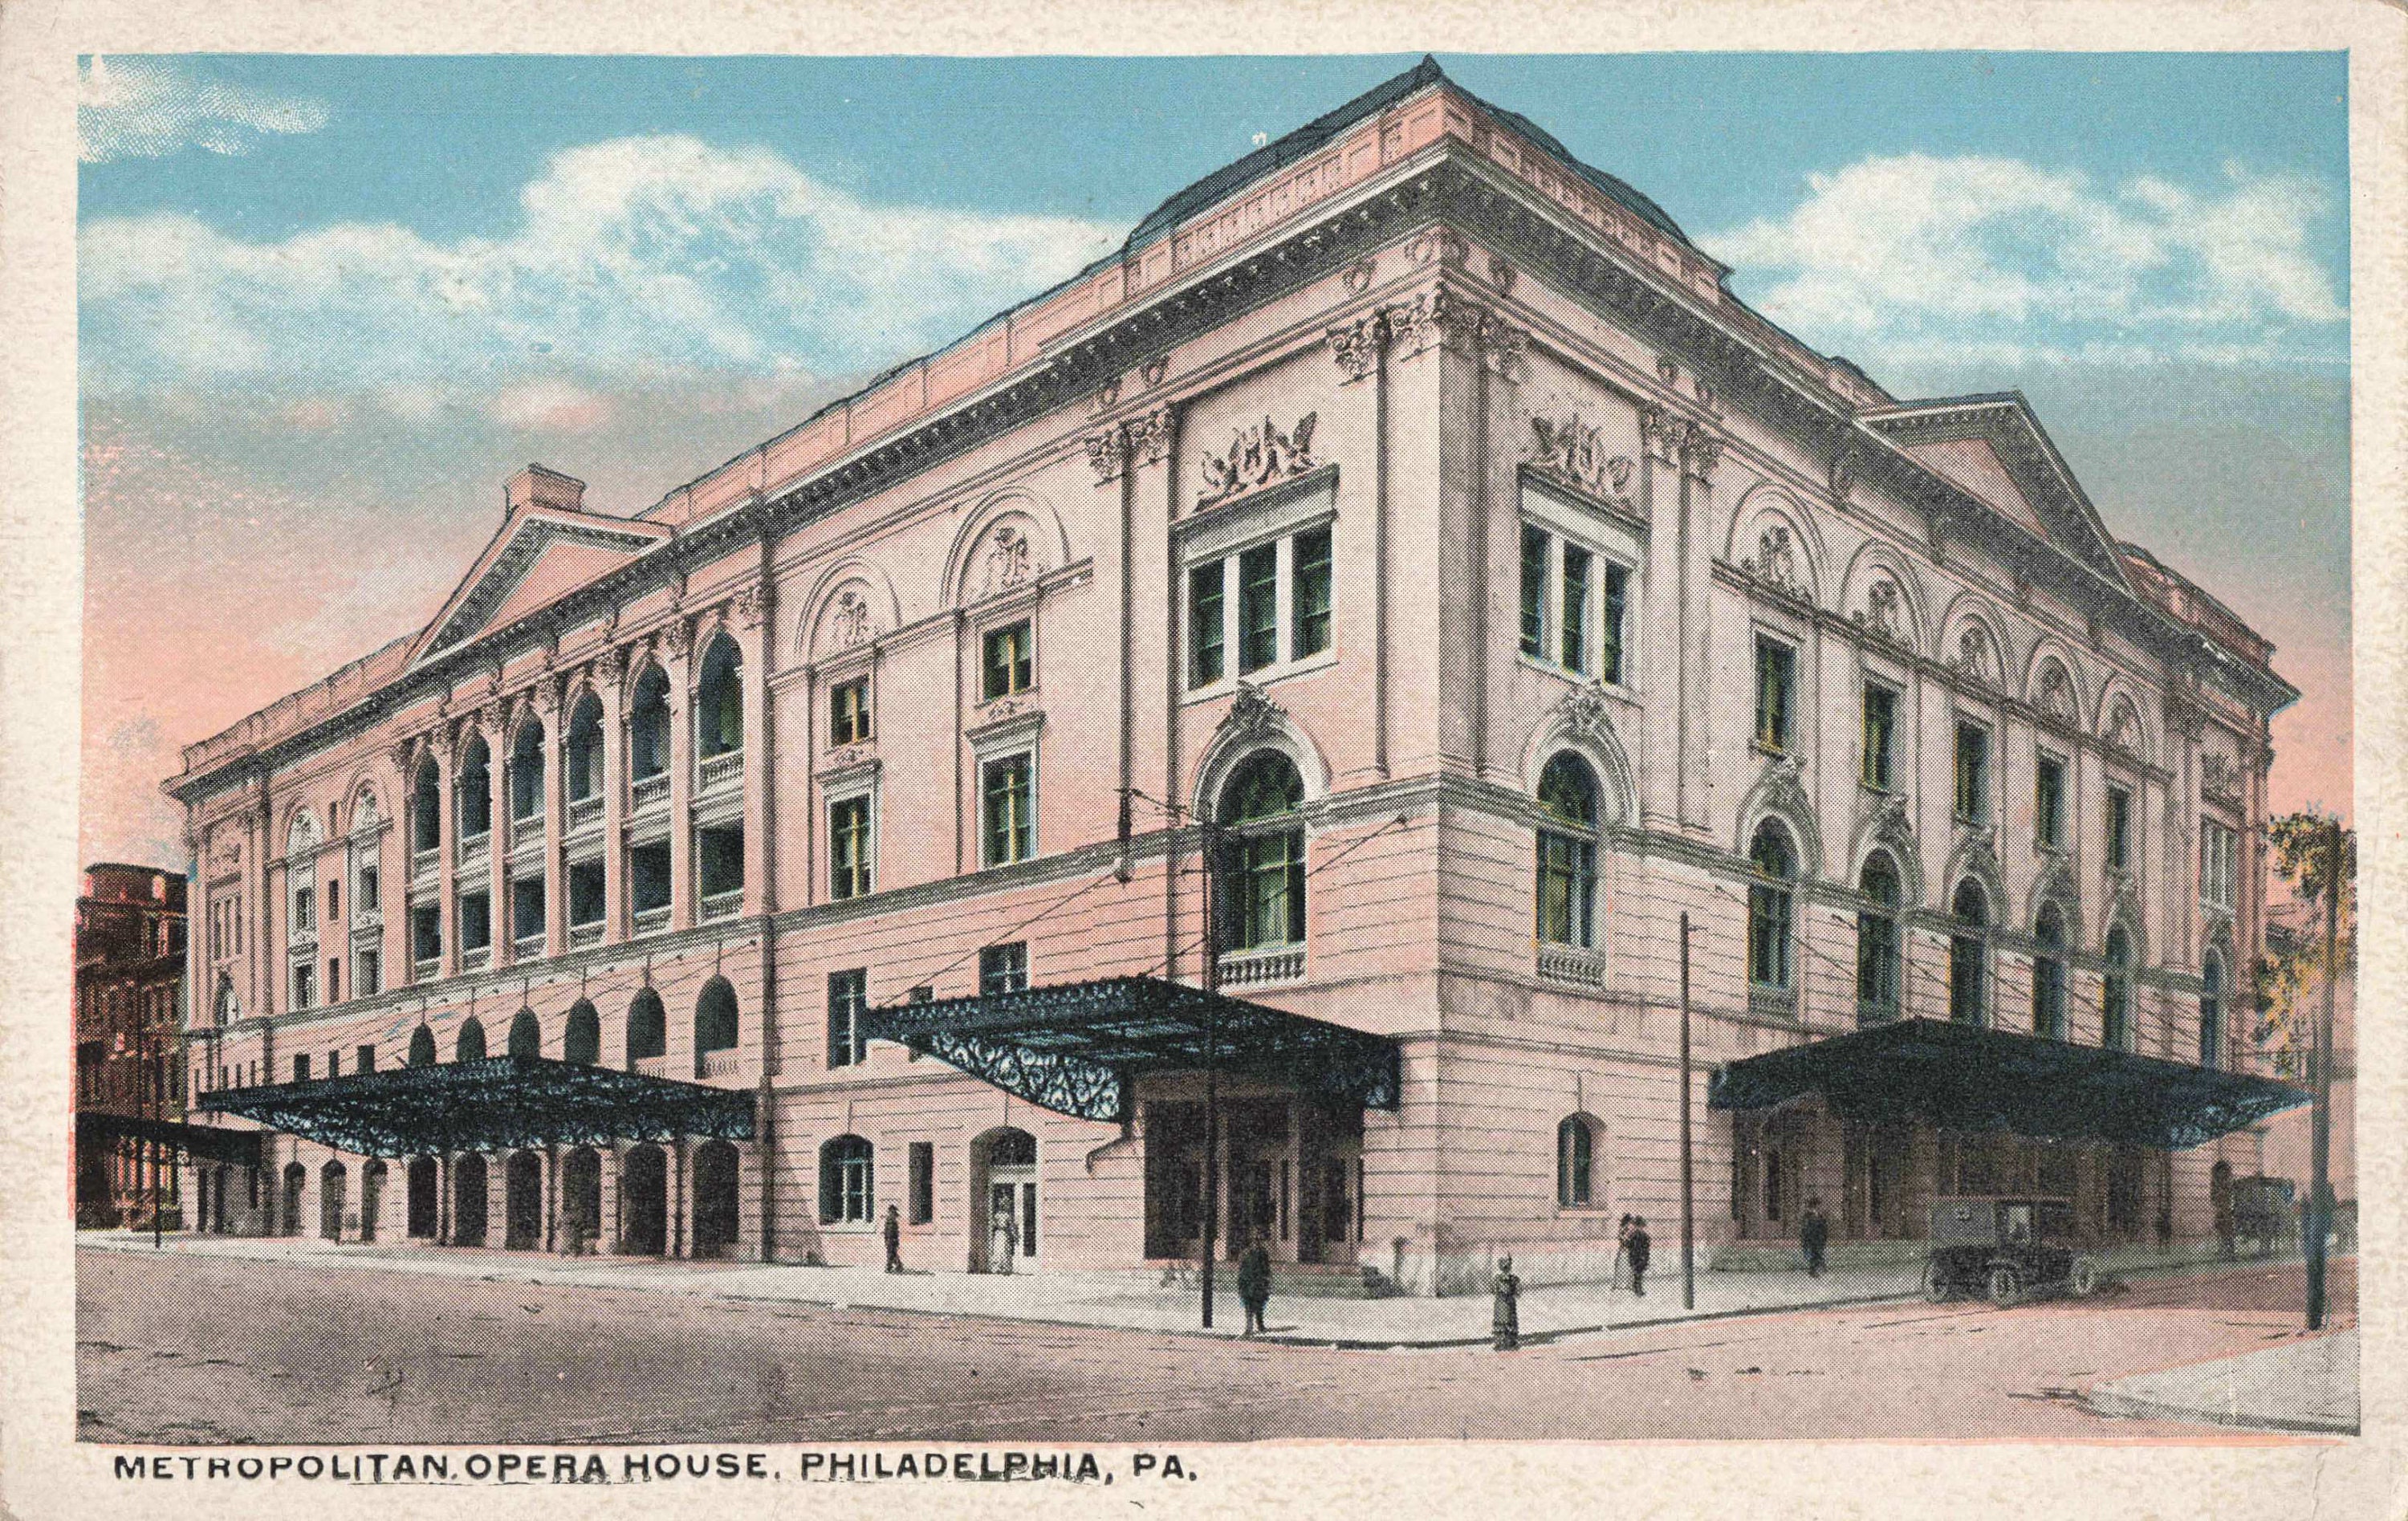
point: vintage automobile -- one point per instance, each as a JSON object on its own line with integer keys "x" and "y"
{"x": 2263, "y": 1211}
{"x": 2006, "y": 1247}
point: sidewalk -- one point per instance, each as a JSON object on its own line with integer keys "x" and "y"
{"x": 2310, "y": 1384}
{"x": 1119, "y": 1300}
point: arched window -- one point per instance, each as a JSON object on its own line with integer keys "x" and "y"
{"x": 2049, "y": 973}
{"x": 648, "y": 724}
{"x": 2211, "y": 1009}
{"x": 1768, "y": 906}
{"x": 426, "y": 808}
{"x": 526, "y": 773}
{"x": 1877, "y": 941}
{"x": 845, "y": 1182}
{"x": 526, "y": 1036}
{"x": 1262, "y": 869}
{"x": 229, "y": 1008}
{"x": 1575, "y": 1162}
{"x": 2116, "y": 992}
{"x": 719, "y": 708}
{"x": 584, "y": 1041}
{"x": 1568, "y": 855}
{"x": 470, "y": 1046}
{"x": 648, "y": 1026}
{"x": 714, "y": 1018}
{"x": 475, "y": 789}
{"x": 421, "y": 1047}
{"x": 584, "y": 757}
{"x": 1969, "y": 952}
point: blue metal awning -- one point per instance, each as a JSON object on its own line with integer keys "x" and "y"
{"x": 1077, "y": 1048}
{"x": 1962, "y": 1077}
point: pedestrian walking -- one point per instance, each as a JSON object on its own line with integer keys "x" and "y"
{"x": 1813, "y": 1235}
{"x": 1621, "y": 1250}
{"x": 893, "y": 1240}
{"x": 1505, "y": 1318}
{"x": 1254, "y": 1283}
{"x": 1642, "y": 1247}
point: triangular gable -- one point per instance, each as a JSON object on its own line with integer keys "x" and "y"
{"x": 1995, "y": 449}
{"x": 540, "y": 555}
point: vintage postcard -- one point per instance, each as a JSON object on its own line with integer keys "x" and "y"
{"x": 807, "y": 771}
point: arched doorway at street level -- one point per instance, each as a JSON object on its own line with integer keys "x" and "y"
{"x": 581, "y": 1198}
{"x": 372, "y": 1197}
{"x": 644, "y": 1201}
{"x": 715, "y": 1208}
{"x": 333, "y": 1187}
{"x": 1004, "y": 1205}
{"x": 523, "y": 1201}
{"x": 424, "y": 1184}
{"x": 296, "y": 1179}
{"x": 468, "y": 1194}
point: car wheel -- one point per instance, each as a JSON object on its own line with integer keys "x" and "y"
{"x": 1935, "y": 1283}
{"x": 2004, "y": 1285}
{"x": 2086, "y": 1277}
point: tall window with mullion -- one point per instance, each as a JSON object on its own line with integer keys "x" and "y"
{"x": 1310, "y": 596}
{"x": 1257, "y": 609}
{"x": 1776, "y": 693}
{"x": 719, "y": 700}
{"x": 1880, "y": 735}
{"x": 2048, "y": 801}
{"x": 1008, "y": 663}
{"x": 1775, "y": 861}
{"x": 2049, "y": 973}
{"x": 1973, "y": 772}
{"x": 1573, "y": 601}
{"x": 2116, "y": 992}
{"x": 1877, "y": 941}
{"x": 1262, "y": 869}
{"x": 849, "y": 711}
{"x": 1207, "y": 614}
{"x": 1008, "y": 788}
{"x": 849, "y": 874}
{"x": 848, "y": 996}
{"x": 1575, "y": 653}
{"x": 1969, "y": 952}
{"x": 846, "y": 1196}
{"x": 1537, "y": 545}
{"x": 1566, "y": 888}
{"x": 2119, "y": 828}
{"x": 1003, "y": 969}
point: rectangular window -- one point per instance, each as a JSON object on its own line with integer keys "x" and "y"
{"x": 849, "y": 865}
{"x": 1257, "y": 609}
{"x": 1010, "y": 663}
{"x": 305, "y": 987}
{"x": 585, "y": 893}
{"x": 1972, "y": 773}
{"x": 305, "y": 909}
{"x": 923, "y": 1179}
{"x": 848, "y": 994}
{"x": 1609, "y": 628}
{"x": 363, "y": 1059}
{"x": 425, "y": 932}
{"x": 334, "y": 980}
{"x": 476, "y": 920}
{"x": 1776, "y": 693}
{"x": 1005, "y": 791}
{"x": 1534, "y": 592}
{"x": 1567, "y": 890}
{"x": 334, "y": 903}
{"x": 849, "y": 711}
{"x": 1575, "y": 608}
{"x": 2119, "y": 828}
{"x": 2218, "y": 877}
{"x": 300, "y": 1067}
{"x": 1881, "y": 732}
{"x": 371, "y": 894}
{"x": 2048, "y": 802}
{"x": 1207, "y": 603}
{"x": 1312, "y": 595}
{"x": 1003, "y": 969}
{"x": 370, "y": 979}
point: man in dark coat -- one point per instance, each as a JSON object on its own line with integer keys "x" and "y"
{"x": 1813, "y": 1234}
{"x": 1254, "y": 1283}
{"x": 893, "y": 1240}
{"x": 1642, "y": 1247}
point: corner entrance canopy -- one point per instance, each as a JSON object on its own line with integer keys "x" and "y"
{"x": 1964, "y": 1078}
{"x": 500, "y": 1103}
{"x": 202, "y": 1142}
{"x": 1077, "y": 1048}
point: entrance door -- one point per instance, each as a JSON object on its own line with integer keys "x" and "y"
{"x": 581, "y": 1198}
{"x": 371, "y": 1198}
{"x": 468, "y": 1199}
{"x": 423, "y": 1186}
{"x": 1174, "y": 1180}
{"x": 330, "y": 1189}
{"x": 644, "y": 1201}
{"x": 297, "y": 1178}
{"x": 1003, "y": 1200}
{"x": 715, "y": 1207}
{"x": 523, "y": 1188}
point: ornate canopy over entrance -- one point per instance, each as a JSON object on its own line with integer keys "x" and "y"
{"x": 1959, "y": 1077}
{"x": 499, "y": 1103}
{"x": 201, "y": 1142}
{"x": 1077, "y": 1048}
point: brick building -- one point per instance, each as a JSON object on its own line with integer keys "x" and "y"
{"x": 1418, "y": 507}
{"x": 129, "y": 989}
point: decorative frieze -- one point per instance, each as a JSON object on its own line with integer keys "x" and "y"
{"x": 752, "y": 604}
{"x": 1774, "y": 564}
{"x": 1587, "y": 712}
{"x": 1149, "y": 438}
{"x": 1252, "y": 716}
{"x": 1572, "y": 451}
{"x": 1884, "y": 614}
{"x": 1356, "y": 346}
{"x": 2219, "y": 779}
{"x": 1973, "y": 657}
{"x": 1260, "y": 456}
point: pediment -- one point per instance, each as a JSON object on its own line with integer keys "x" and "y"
{"x": 540, "y": 555}
{"x": 1994, "y": 448}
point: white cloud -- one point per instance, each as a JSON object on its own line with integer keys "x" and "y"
{"x": 633, "y": 258}
{"x": 147, "y": 108}
{"x": 1895, "y": 250}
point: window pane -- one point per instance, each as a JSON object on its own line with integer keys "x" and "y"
{"x": 1312, "y": 595}
{"x": 848, "y": 866}
{"x": 1534, "y": 592}
{"x": 1609, "y": 632}
{"x": 1258, "y": 608}
{"x": 1776, "y": 670}
{"x": 1010, "y": 832}
{"x": 1881, "y": 723}
{"x": 1973, "y": 772}
{"x": 847, "y": 992}
{"x": 1009, "y": 663}
{"x": 1574, "y": 652}
{"x": 2049, "y": 803}
{"x": 1205, "y": 613}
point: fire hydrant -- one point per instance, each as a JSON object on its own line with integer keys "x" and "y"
{"x": 1507, "y": 1319}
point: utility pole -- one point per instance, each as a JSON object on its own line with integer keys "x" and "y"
{"x": 1688, "y": 1180}
{"x": 2321, "y": 1119}
{"x": 1212, "y": 1058}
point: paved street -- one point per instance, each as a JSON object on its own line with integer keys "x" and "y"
{"x": 191, "y": 1349}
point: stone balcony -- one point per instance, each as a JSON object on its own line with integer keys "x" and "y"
{"x": 527, "y": 948}
{"x": 525, "y": 832}
{"x": 584, "y": 813}
{"x": 726, "y": 905}
{"x": 652, "y": 921}
{"x": 649, "y": 1065}
{"x": 1571, "y": 964}
{"x": 477, "y": 959}
{"x": 423, "y": 865}
{"x": 1270, "y": 964}
{"x": 650, "y": 791}
{"x": 720, "y": 772}
{"x": 473, "y": 851}
{"x": 716, "y": 1064}
{"x": 580, "y": 936}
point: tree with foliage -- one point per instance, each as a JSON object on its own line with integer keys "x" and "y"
{"x": 2290, "y": 973}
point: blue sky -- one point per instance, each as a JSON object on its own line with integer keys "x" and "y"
{"x": 335, "y": 300}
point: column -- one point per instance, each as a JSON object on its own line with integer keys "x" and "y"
{"x": 1699, "y": 451}
{"x": 497, "y": 854}
{"x": 447, "y": 822}
{"x": 1666, "y": 601}
{"x": 756, "y": 636}
{"x": 677, "y": 1198}
{"x": 679, "y": 650}
{"x": 610, "y": 683}
{"x": 551, "y": 1195}
{"x": 443, "y": 1198}
{"x": 555, "y": 813}
{"x": 606, "y": 1230}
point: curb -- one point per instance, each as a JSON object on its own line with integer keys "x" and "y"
{"x": 2135, "y": 1407}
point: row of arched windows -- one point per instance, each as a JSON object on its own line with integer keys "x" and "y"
{"x": 715, "y": 1029}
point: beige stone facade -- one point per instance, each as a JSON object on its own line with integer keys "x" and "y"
{"x": 1419, "y": 457}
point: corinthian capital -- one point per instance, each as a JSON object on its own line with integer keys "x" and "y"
{"x": 1357, "y": 345}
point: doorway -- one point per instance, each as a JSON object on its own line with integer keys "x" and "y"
{"x": 644, "y": 1201}
{"x": 523, "y": 1201}
{"x": 423, "y": 1186}
{"x": 372, "y": 1197}
{"x": 296, "y": 1179}
{"x": 715, "y": 1208}
{"x": 581, "y": 1198}
{"x": 468, "y": 1200}
{"x": 1005, "y": 1234}
{"x": 330, "y": 1189}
